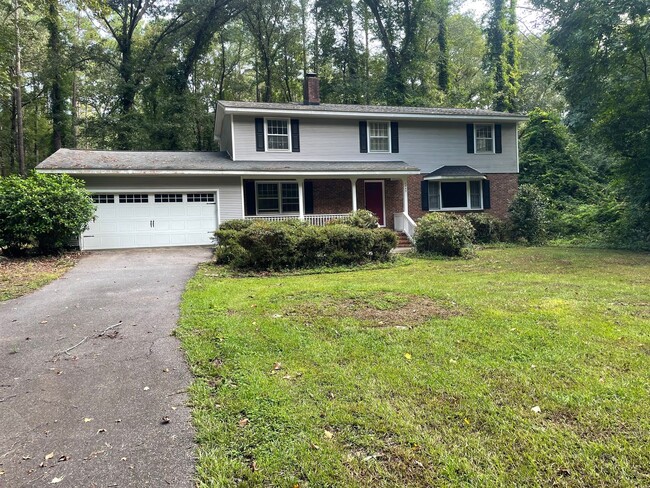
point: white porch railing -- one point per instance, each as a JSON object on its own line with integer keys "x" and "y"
{"x": 404, "y": 223}
{"x": 313, "y": 219}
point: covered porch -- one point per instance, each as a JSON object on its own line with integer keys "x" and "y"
{"x": 381, "y": 188}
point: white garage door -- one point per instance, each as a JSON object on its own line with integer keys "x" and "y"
{"x": 126, "y": 220}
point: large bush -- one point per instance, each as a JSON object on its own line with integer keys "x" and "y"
{"x": 487, "y": 228}
{"x": 528, "y": 215}
{"x": 363, "y": 219}
{"x": 46, "y": 211}
{"x": 446, "y": 234}
{"x": 263, "y": 245}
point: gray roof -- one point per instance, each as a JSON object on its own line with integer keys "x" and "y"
{"x": 84, "y": 161}
{"x": 454, "y": 172}
{"x": 370, "y": 109}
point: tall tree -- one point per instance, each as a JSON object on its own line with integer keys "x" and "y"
{"x": 443, "y": 48}
{"x": 501, "y": 58}
{"x": 18, "y": 92}
{"x": 397, "y": 25}
{"x": 54, "y": 75}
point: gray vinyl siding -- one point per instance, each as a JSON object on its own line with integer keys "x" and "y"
{"x": 229, "y": 187}
{"x": 226, "y": 136}
{"x": 426, "y": 145}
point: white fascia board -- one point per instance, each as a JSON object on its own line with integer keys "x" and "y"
{"x": 131, "y": 172}
{"x": 460, "y": 178}
{"x": 218, "y": 122}
{"x": 371, "y": 115}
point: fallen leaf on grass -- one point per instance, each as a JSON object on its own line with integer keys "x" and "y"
{"x": 56, "y": 480}
{"x": 315, "y": 446}
{"x": 243, "y": 422}
{"x": 536, "y": 409}
{"x": 408, "y": 356}
{"x": 467, "y": 421}
{"x": 49, "y": 456}
{"x": 277, "y": 366}
{"x": 328, "y": 434}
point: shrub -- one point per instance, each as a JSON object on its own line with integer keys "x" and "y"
{"x": 237, "y": 224}
{"x": 528, "y": 215}
{"x": 364, "y": 219}
{"x": 446, "y": 234}
{"x": 487, "y": 228}
{"x": 266, "y": 245}
{"x": 46, "y": 211}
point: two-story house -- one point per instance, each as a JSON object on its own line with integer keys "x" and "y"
{"x": 307, "y": 161}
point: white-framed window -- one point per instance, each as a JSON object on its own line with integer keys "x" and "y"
{"x": 277, "y": 135}
{"x": 456, "y": 195}
{"x": 168, "y": 198}
{"x": 200, "y": 198}
{"x": 134, "y": 198}
{"x": 277, "y": 197}
{"x": 378, "y": 137}
{"x": 103, "y": 198}
{"x": 484, "y": 138}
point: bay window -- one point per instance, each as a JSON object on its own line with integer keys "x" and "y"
{"x": 455, "y": 195}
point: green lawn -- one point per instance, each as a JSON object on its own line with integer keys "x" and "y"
{"x": 426, "y": 373}
{"x": 23, "y": 275}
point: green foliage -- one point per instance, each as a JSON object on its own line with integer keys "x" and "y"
{"x": 487, "y": 228}
{"x": 263, "y": 245}
{"x": 528, "y": 215}
{"x": 446, "y": 234}
{"x": 364, "y": 219}
{"x": 47, "y": 211}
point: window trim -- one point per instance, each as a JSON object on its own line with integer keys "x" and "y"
{"x": 266, "y": 135}
{"x": 387, "y": 122}
{"x": 468, "y": 196}
{"x": 279, "y": 184}
{"x": 476, "y": 151}
{"x": 106, "y": 196}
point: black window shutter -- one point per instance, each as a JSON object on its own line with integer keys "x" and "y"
{"x": 486, "y": 194}
{"x": 497, "y": 139}
{"x": 309, "y": 197}
{"x": 259, "y": 134}
{"x": 249, "y": 197}
{"x": 424, "y": 192}
{"x": 363, "y": 136}
{"x": 470, "y": 138}
{"x": 295, "y": 135}
{"x": 394, "y": 137}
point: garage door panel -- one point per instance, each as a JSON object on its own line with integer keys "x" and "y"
{"x": 124, "y": 225}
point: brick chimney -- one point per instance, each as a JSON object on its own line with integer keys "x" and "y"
{"x": 311, "y": 89}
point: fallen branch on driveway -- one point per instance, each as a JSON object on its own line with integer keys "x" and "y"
{"x": 67, "y": 351}
{"x": 109, "y": 328}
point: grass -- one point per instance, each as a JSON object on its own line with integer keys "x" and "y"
{"x": 425, "y": 374}
{"x": 23, "y": 275}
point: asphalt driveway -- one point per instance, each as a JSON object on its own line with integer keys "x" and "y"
{"x": 94, "y": 416}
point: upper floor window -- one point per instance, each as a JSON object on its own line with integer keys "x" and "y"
{"x": 484, "y": 138}
{"x": 277, "y": 135}
{"x": 379, "y": 136}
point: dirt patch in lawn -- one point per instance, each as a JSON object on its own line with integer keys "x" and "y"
{"x": 19, "y": 276}
{"x": 381, "y": 309}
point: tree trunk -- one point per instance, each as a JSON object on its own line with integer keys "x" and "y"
{"x": 443, "y": 56}
{"x": 55, "y": 78}
{"x": 18, "y": 96}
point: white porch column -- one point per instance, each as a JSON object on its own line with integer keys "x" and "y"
{"x": 353, "y": 181}
{"x": 405, "y": 193}
{"x": 301, "y": 199}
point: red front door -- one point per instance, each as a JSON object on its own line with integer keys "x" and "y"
{"x": 374, "y": 191}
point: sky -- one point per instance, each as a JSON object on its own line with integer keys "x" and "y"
{"x": 531, "y": 20}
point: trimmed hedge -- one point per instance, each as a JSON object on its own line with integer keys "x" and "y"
{"x": 446, "y": 234}
{"x": 262, "y": 245}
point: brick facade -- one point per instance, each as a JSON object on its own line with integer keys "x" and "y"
{"x": 335, "y": 196}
